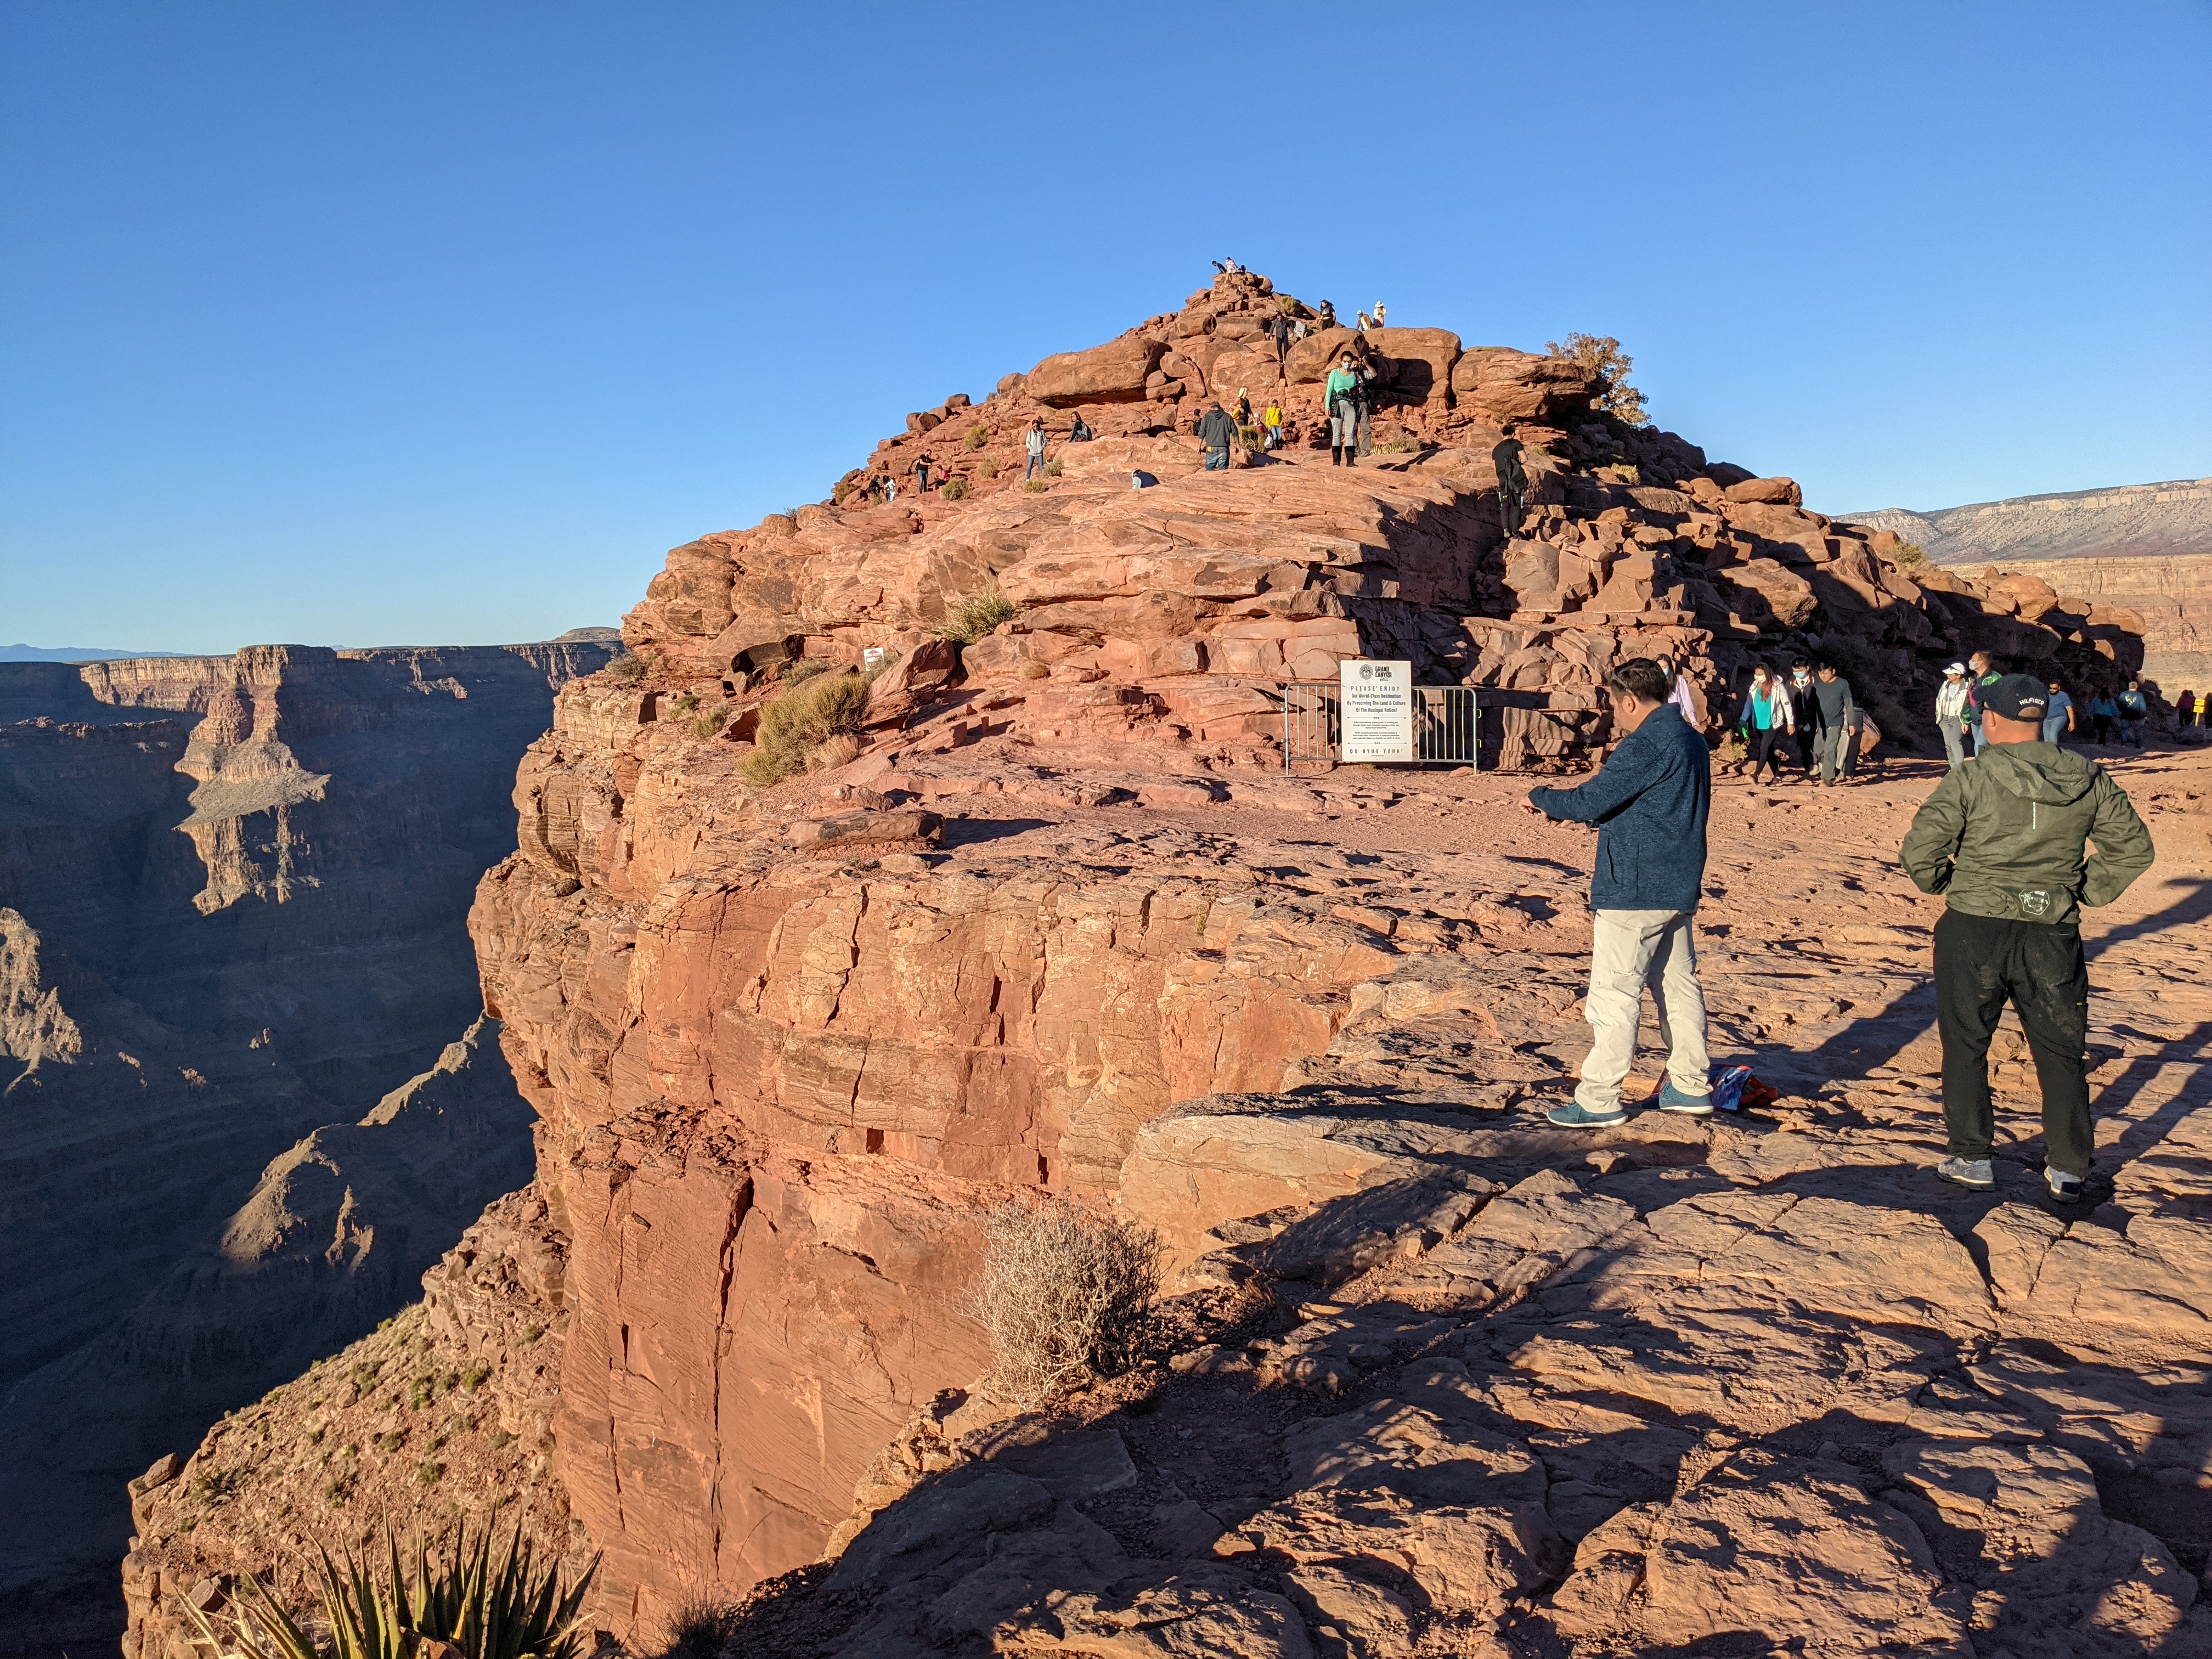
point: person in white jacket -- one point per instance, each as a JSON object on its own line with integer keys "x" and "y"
{"x": 1951, "y": 713}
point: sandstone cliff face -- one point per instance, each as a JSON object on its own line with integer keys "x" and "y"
{"x": 231, "y": 893}
{"x": 778, "y": 1085}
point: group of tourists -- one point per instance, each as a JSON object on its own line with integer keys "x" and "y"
{"x": 1810, "y": 717}
{"x": 2005, "y": 841}
{"x": 1959, "y": 703}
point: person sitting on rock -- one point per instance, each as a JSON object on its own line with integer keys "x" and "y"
{"x": 1081, "y": 433}
{"x": 1512, "y": 481}
{"x": 1340, "y": 397}
{"x": 1218, "y": 431}
{"x": 1363, "y": 324}
{"x": 1142, "y": 480}
{"x": 2004, "y": 841}
{"x": 1379, "y": 315}
{"x": 1033, "y": 441}
{"x": 1243, "y": 406}
{"x": 1649, "y": 801}
{"x": 1326, "y": 317}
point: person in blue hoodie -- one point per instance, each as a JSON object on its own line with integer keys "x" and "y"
{"x": 1650, "y": 803}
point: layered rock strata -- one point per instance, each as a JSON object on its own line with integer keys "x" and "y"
{"x": 787, "y": 1043}
{"x": 232, "y": 903}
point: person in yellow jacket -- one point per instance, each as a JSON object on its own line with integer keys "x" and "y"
{"x": 1271, "y": 425}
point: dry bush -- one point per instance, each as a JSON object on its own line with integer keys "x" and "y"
{"x": 799, "y": 721}
{"x": 978, "y": 435}
{"x": 975, "y": 615}
{"x": 1910, "y": 555}
{"x": 1602, "y": 352}
{"x": 953, "y": 489}
{"x": 988, "y": 467}
{"x": 836, "y": 752}
{"x": 1036, "y": 486}
{"x": 710, "y": 723}
{"x": 627, "y": 669}
{"x": 1031, "y": 669}
{"x": 1065, "y": 1295}
{"x": 701, "y": 1627}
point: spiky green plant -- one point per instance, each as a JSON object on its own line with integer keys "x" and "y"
{"x": 975, "y": 615}
{"x": 519, "y": 1611}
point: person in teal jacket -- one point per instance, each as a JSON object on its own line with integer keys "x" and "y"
{"x": 1342, "y": 395}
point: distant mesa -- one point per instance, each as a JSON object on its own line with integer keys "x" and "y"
{"x": 74, "y": 653}
{"x": 2139, "y": 546}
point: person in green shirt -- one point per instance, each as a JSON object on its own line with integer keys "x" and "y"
{"x": 1342, "y": 395}
{"x": 2005, "y": 841}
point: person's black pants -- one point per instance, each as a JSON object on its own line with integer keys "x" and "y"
{"x": 1981, "y": 963}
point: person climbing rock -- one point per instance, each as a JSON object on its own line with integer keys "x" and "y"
{"x": 1341, "y": 396}
{"x": 1832, "y": 709}
{"x": 1650, "y": 802}
{"x": 1218, "y": 431}
{"x": 1951, "y": 715}
{"x": 2004, "y": 840}
{"x": 1512, "y": 480}
{"x": 1033, "y": 441}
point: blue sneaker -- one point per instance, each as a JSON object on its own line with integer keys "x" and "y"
{"x": 1575, "y": 1115}
{"x": 1672, "y": 1099}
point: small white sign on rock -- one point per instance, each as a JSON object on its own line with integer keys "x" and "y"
{"x": 1377, "y": 700}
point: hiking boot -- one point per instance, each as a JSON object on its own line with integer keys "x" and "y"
{"x": 2066, "y": 1189}
{"x": 1575, "y": 1115}
{"x": 1672, "y": 1099}
{"x": 1973, "y": 1173}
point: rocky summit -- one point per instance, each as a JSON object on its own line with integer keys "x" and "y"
{"x": 1048, "y": 908}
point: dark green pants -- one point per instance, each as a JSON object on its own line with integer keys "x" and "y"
{"x": 1982, "y": 962}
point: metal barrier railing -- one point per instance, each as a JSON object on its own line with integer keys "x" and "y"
{"x": 1446, "y": 722}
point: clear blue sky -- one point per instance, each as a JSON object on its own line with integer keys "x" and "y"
{"x": 355, "y": 324}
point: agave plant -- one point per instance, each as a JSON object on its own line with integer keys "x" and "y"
{"x": 517, "y": 1611}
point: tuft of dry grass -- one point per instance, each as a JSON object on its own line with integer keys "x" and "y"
{"x": 1065, "y": 1295}
{"x": 975, "y": 615}
{"x": 801, "y": 719}
{"x": 1031, "y": 669}
{"x": 833, "y": 753}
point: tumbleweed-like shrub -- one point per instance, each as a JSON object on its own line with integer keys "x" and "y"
{"x": 798, "y": 721}
{"x": 975, "y": 615}
{"x": 1065, "y": 1294}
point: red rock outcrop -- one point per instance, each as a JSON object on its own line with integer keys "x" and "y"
{"x": 781, "y": 1071}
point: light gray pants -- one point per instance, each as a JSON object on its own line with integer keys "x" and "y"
{"x": 1955, "y": 743}
{"x": 1629, "y": 949}
{"x": 1828, "y": 744}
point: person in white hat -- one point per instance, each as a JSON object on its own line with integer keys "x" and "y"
{"x": 1951, "y": 713}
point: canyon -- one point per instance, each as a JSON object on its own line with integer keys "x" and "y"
{"x": 2145, "y": 547}
{"x": 1060, "y": 919}
{"x": 232, "y": 902}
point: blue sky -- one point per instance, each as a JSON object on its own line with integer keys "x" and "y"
{"x": 435, "y": 323}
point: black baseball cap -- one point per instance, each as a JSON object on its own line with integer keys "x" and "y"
{"x": 2018, "y": 697}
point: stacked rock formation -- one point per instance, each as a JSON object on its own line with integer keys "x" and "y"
{"x": 787, "y": 1043}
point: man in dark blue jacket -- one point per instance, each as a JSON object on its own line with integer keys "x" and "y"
{"x": 1650, "y": 804}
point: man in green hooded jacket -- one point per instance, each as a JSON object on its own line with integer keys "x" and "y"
{"x": 2004, "y": 840}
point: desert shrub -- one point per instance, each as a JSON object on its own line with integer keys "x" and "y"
{"x": 798, "y": 721}
{"x": 685, "y": 703}
{"x": 1031, "y": 669}
{"x": 988, "y": 467}
{"x": 705, "y": 726}
{"x": 953, "y": 489}
{"x": 1065, "y": 1295}
{"x": 473, "y": 1378}
{"x": 1053, "y": 469}
{"x": 419, "y": 1391}
{"x": 1036, "y": 486}
{"x": 427, "y": 1475}
{"x": 1602, "y": 353}
{"x": 1910, "y": 555}
{"x": 833, "y": 753}
{"x": 975, "y": 615}
{"x": 699, "y": 1628}
{"x": 627, "y": 669}
{"x": 802, "y": 668}
{"x": 978, "y": 435}
{"x": 1625, "y": 472}
{"x": 488, "y": 1610}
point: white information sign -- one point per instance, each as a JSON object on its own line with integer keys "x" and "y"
{"x": 1376, "y": 699}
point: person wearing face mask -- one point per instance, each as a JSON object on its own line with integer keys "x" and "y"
{"x": 1804, "y": 713}
{"x": 1342, "y": 396}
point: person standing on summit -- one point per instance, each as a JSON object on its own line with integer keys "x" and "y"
{"x": 1650, "y": 802}
{"x": 2004, "y": 840}
{"x": 1341, "y": 396}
